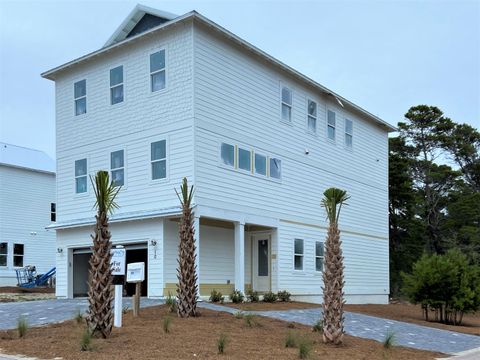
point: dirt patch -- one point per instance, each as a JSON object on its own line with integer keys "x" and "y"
{"x": 278, "y": 305}
{"x": 143, "y": 338}
{"x": 19, "y": 290}
{"x": 413, "y": 314}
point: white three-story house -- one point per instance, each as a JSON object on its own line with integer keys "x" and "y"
{"x": 172, "y": 96}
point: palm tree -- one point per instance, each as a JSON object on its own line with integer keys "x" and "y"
{"x": 186, "y": 272}
{"x": 100, "y": 294}
{"x": 333, "y": 295}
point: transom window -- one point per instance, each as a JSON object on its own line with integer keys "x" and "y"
{"x": 319, "y": 256}
{"x": 53, "y": 212}
{"x": 3, "y": 253}
{"x": 81, "y": 176}
{"x": 18, "y": 255}
{"x": 117, "y": 168}
{"x": 157, "y": 70}
{"x": 159, "y": 159}
{"x": 298, "y": 254}
{"x": 286, "y": 104}
{"x": 312, "y": 116}
{"x": 331, "y": 123}
{"x": 227, "y": 153}
{"x": 348, "y": 133}
{"x": 80, "y": 97}
{"x": 244, "y": 159}
{"x": 116, "y": 85}
{"x": 275, "y": 168}
{"x": 260, "y": 164}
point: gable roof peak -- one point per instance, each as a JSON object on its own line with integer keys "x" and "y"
{"x": 140, "y": 19}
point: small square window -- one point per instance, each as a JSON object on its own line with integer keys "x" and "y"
{"x": 244, "y": 159}
{"x": 228, "y": 154}
{"x": 260, "y": 164}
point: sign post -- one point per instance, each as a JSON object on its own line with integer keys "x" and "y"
{"x": 118, "y": 271}
{"x": 136, "y": 274}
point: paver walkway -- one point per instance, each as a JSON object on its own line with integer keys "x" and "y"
{"x": 371, "y": 327}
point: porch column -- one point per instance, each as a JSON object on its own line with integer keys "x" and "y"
{"x": 196, "y": 226}
{"x": 240, "y": 256}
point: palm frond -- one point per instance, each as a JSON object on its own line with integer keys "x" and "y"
{"x": 105, "y": 192}
{"x": 333, "y": 200}
{"x": 185, "y": 195}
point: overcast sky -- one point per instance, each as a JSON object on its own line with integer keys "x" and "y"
{"x": 383, "y": 55}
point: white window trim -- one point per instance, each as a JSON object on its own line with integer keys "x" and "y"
{"x": 80, "y": 97}
{"x": 298, "y": 254}
{"x": 149, "y": 82}
{"x": 288, "y": 122}
{"x": 319, "y": 257}
{"x": 311, "y": 116}
{"x": 349, "y": 147}
{"x": 13, "y": 256}
{"x": 6, "y": 255}
{"x": 150, "y": 161}
{"x": 114, "y": 86}
{"x": 75, "y": 177}
{"x": 334, "y": 127}
{"x": 124, "y": 186}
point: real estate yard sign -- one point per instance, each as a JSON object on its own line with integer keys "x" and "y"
{"x": 118, "y": 261}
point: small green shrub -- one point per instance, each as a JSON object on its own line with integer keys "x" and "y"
{"x": 284, "y": 295}
{"x": 389, "y": 340}
{"x": 318, "y": 326}
{"x": 251, "y": 320}
{"x": 78, "y": 317}
{"x": 304, "y": 348}
{"x": 22, "y": 326}
{"x": 269, "y": 297}
{"x": 167, "y": 322}
{"x": 237, "y": 297}
{"x": 238, "y": 315}
{"x": 222, "y": 343}
{"x": 290, "y": 340}
{"x": 86, "y": 340}
{"x": 253, "y": 296}
{"x": 216, "y": 296}
{"x": 171, "y": 302}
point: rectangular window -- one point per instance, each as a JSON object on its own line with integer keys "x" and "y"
{"x": 348, "y": 133}
{"x": 116, "y": 85}
{"x": 117, "y": 168}
{"x": 80, "y": 96}
{"x": 159, "y": 159}
{"x": 312, "y": 116}
{"x": 275, "y": 168}
{"x": 298, "y": 254}
{"x": 244, "y": 159}
{"x": 81, "y": 176}
{"x": 319, "y": 256}
{"x": 3, "y": 253}
{"x": 286, "y": 104}
{"x": 157, "y": 70}
{"x": 18, "y": 255}
{"x": 227, "y": 153}
{"x": 260, "y": 164}
{"x": 331, "y": 125}
{"x": 53, "y": 212}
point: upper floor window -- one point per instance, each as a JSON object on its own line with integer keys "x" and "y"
{"x": 3, "y": 253}
{"x": 18, "y": 255}
{"x": 157, "y": 70}
{"x": 80, "y": 96}
{"x": 286, "y": 104}
{"x": 159, "y": 159}
{"x": 348, "y": 133}
{"x": 298, "y": 254}
{"x": 260, "y": 164}
{"x": 53, "y": 212}
{"x": 117, "y": 168}
{"x": 331, "y": 121}
{"x": 312, "y": 116}
{"x": 227, "y": 153}
{"x": 116, "y": 85}
{"x": 319, "y": 256}
{"x": 81, "y": 176}
{"x": 244, "y": 159}
{"x": 275, "y": 168}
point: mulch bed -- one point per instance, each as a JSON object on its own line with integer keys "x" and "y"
{"x": 413, "y": 314}
{"x": 19, "y": 290}
{"x": 278, "y": 305}
{"x": 143, "y": 338}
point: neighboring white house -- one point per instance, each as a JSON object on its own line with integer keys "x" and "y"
{"x": 27, "y": 206}
{"x": 172, "y": 96}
